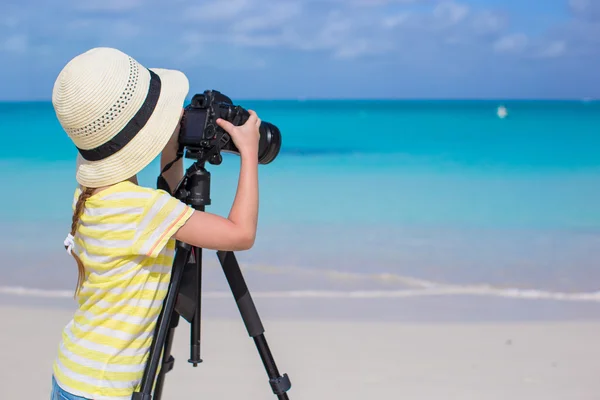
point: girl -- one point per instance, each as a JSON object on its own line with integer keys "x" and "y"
{"x": 120, "y": 116}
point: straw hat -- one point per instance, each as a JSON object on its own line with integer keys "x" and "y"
{"x": 119, "y": 114}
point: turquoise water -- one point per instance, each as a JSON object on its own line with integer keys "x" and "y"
{"x": 445, "y": 192}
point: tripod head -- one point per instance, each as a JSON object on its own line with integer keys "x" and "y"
{"x": 194, "y": 187}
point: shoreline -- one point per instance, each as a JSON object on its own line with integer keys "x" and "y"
{"x": 453, "y": 309}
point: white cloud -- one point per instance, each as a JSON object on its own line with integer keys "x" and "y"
{"x": 352, "y": 50}
{"x": 273, "y": 17}
{"x": 80, "y": 24}
{"x": 360, "y": 48}
{"x": 117, "y": 32}
{"x": 553, "y": 49}
{"x": 218, "y": 10}
{"x": 374, "y": 3}
{"x": 395, "y": 20}
{"x": 580, "y": 5}
{"x": 258, "y": 40}
{"x": 577, "y": 38}
{"x": 588, "y": 10}
{"x": 529, "y": 47}
{"x": 450, "y": 12}
{"x": 109, "y": 5}
{"x": 512, "y": 43}
{"x": 125, "y": 29}
{"x": 334, "y": 26}
{"x": 202, "y": 50}
{"x": 334, "y": 32}
{"x": 18, "y": 43}
{"x": 9, "y": 21}
{"x": 488, "y": 22}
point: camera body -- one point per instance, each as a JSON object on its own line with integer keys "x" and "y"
{"x": 205, "y": 140}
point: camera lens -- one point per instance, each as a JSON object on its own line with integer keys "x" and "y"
{"x": 269, "y": 143}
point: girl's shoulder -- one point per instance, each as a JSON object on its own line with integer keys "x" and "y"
{"x": 126, "y": 192}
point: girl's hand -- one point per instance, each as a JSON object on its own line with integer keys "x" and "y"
{"x": 245, "y": 137}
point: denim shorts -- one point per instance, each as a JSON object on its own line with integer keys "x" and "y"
{"x": 60, "y": 394}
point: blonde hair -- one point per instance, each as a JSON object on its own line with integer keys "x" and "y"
{"x": 85, "y": 194}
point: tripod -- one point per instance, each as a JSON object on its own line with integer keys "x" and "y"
{"x": 184, "y": 299}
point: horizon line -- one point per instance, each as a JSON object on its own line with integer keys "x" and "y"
{"x": 302, "y": 99}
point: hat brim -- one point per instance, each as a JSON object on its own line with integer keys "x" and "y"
{"x": 148, "y": 142}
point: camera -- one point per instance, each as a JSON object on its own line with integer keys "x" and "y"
{"x": 203, "y": 139}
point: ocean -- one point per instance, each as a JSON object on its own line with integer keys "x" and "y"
{"x": 382, "y": 200}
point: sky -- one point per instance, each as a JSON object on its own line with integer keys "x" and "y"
{"x": 331, "y": 49}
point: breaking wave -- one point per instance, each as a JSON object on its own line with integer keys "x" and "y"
{"x": 413, "y": 287}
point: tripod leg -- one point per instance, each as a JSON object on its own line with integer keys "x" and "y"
{"x": 195, "y": 331}
{"x": 279, "y": 384}
{"x": 159, "y": 339}
{"x": 168, "y": 361}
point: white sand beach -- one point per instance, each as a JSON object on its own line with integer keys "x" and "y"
{"x": 341, "y": 360}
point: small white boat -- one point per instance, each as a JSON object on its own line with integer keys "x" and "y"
{"x": 502, "y": 112}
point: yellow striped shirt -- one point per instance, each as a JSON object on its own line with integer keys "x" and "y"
{"x": 124, "y": 240}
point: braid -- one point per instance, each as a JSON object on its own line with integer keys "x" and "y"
{"x": 83, "y": 196}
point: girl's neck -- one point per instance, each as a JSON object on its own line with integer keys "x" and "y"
{"x": 133, "y": 180}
